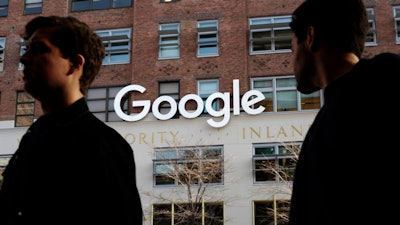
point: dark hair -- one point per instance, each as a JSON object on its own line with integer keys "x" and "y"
{"x": 341, "y": 25}
{"x": 72, "y": 37}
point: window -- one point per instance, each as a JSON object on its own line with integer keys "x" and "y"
{"x": 396, "y": 11}
{"x": 207, "y": 38}
{"x": 22, "y": 51}
{"x": 185, "y": 213}
{"x": 2, "y": 49}
{"x": 169, "y": 41}
{"x": 170, "y": 89}
{"x": 267, "y": 212}
{"x": 117, "y": 44}
{"x": 165, "y": 1}
{"x": 206, "y": 88}
{"x": 274, "y": 162}
{"x": 192, "y": 165}
{"x": 25, "y": 109}
{"x": 281, "y": 95}
{"x": 101, "y": 103}
{"x": 4, "y": 159}
{"x": 33, "y": 7}
{"x": 371, "y": 36}
{"x": 270, "y": 35}
{"x": 81, "y": 5}
{"x": 3, "y": 8}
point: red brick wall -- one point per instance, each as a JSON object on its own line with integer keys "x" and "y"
{"x": 233, "y": 62}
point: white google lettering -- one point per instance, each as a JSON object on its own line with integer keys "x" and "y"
{"x": 248, "y": 100}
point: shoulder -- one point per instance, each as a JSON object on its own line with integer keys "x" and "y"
{"x": 387, "y": 59}
{"x": 98, "y": 129}
{"x": 378, "y": 77}
{"x": 379, "y": 68}
{"x": 101, "y": 127}
{"x": 383, "y": 61}
{"x": 105, "y": 138}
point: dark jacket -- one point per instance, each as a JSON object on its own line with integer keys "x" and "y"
{"x": 71, "y": 168}
{"x": 346, "y": 163}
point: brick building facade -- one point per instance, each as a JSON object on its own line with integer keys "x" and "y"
{"x": 214, "y": 41}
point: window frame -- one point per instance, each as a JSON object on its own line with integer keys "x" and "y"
{"x": 205, "y": 94}
{"x": 3, "y": 41}
{"x": 108, "y": 93}
{"x": 207, "y": 38}
{"x": 166, "y": 160}
{"x": 87, "y": 5}
{"x": 168, "y": 212}
{"x": 171, "y": 89}
{"x": 269, "y": 28}
{"x": 169, "y": 41}
{"x": 4, "y": 8}
{"x": 371, "y": 39}
{"x": 280, "y": 153}
{"x": 4, "y": 160}
{"x": 262, "y": 210}
{"x": 33, "y": 7}
{"x": 22, "y": 50}
{"x": 276, "y": 93}
{"x": 24, "y": 109}
{"x": 396, "y": 16}
{"x": 117, "y": 44}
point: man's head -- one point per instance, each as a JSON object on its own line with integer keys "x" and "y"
{"x": 73, "y": 38}
{"x": 341, "y": 25}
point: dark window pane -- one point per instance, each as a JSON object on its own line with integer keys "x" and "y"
{"x": 4, "y": 11}
{"x": 121, "y": 3}
{"x": 102, "y": 4}
{"x": 3, "y": 2}
{"x": 80, "y": 5}
{"x": 33, "y": 9}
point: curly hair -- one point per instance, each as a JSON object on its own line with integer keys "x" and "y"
{"x": 72, "y": 37}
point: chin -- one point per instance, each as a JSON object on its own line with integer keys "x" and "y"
{"x": 307, "y": 89}
{"x": 32, "y": 91}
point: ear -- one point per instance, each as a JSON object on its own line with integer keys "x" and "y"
{"x": 77, "y": 62}
{"x": 311, "y": 43}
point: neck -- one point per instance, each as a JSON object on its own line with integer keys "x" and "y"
{"x": 334, "y": 66}
{"x": 53, "y": 104}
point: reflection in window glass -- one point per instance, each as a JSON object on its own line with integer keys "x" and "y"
{"x": 24, "y": 115}
{"x": 281, "y": 95}
{"x": 3, "y": 8}
{"x": 185, "y": 213}
{"x": 271, "y": 212}
{"x": 169, "y": 89}
{"x": 207, "y": 38}
{"x": 274, "y": 162}
{"x": 169, "y": 41}
{"x": 101, "y": 103}
{"x": 371, "y": 36}
{"x": 205, "y": 89}
{"x": 270, "y": 34}
{"x": 4, "y": 159}
{"x": 172, "y": 167}
{"x": 117, "y": 44}
{"x": 2, "y": 49}
{"x": 33, "y": 7}
{"x": 82, "y": 5}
